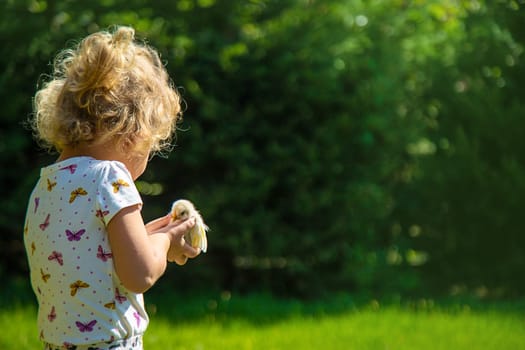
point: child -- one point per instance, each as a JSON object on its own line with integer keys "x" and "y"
{"x": 107, "y": 107}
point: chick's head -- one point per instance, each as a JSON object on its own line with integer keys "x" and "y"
{"x": 181, "y": 209}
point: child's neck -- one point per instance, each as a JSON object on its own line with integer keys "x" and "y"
{"x": 100, "y": 152}
{"x": 107, "y": 151}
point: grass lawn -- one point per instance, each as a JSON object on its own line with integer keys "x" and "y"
{"x": 261, "y": 322}
{"x": 384, "y": 329}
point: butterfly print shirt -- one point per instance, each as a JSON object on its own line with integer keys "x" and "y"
{"x": 80, "y": 297}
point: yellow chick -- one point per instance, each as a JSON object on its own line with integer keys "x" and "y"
{"x": 184, "y": 209}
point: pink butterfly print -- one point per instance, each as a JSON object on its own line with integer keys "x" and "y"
{"x": 56, "y": 256}
{"x": 37, "y": 202}
{"x": 52, "y": 315}
{"x": 45, "y": 224}
{"x": 86, "y": 327}
{"x": 72, "y": 168}
{"x": 120, "y": 298}
{"x": 137, "y": 317}
{"x": 102, "y": 213}
{"x": 74, "y": 236}
{"x": 102, "y": 255}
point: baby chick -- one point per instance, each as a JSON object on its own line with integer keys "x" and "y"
{"x": 184, "y": 209}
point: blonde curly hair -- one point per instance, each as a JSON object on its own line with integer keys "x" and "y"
{"x": 109, "y": 87}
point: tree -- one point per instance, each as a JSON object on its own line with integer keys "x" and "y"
{"x": 472, "y": 187}
{"x": 331, "y": 145}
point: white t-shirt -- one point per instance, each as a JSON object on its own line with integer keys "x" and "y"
{"x": 80, "y": 297}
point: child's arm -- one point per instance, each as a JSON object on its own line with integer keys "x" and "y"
{"x": 140, "y": 258}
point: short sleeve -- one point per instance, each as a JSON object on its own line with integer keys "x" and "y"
{"x": 116, "y": 190}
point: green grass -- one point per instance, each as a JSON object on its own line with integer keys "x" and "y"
{"x": 386, "y": 329}
{"x": 262, "y": 322}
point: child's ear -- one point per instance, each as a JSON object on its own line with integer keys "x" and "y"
{"x": 142, "y": 145}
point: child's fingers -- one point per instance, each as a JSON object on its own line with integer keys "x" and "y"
{"x": 158, "y": 223}
{"x": 181, "y": 260}
{"x": 191, "y": 252}
{"x": 182, "y": 225}
{"x": 187, "y": 252}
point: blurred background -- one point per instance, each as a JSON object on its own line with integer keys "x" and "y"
{"x": 334, "y": 146}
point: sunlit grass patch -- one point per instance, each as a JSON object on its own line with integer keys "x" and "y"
{"x": 262, "y": 322}
{"x": 18, "y": 328}
{"x": 388, "y": 328}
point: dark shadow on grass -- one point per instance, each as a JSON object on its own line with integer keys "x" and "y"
{"x": 255, "y": 308}
{"x": 263, "y": 309}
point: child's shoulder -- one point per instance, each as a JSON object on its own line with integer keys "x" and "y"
{"x": 85, "y": 165}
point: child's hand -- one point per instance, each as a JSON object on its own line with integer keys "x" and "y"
{"x": 180, "y": 251}
{"x": 158, "y": 225}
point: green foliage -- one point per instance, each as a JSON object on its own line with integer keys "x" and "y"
{"x": 472, "y": 187}
{"x": 330, "y": 145}
{"x": 302, "y": 158}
